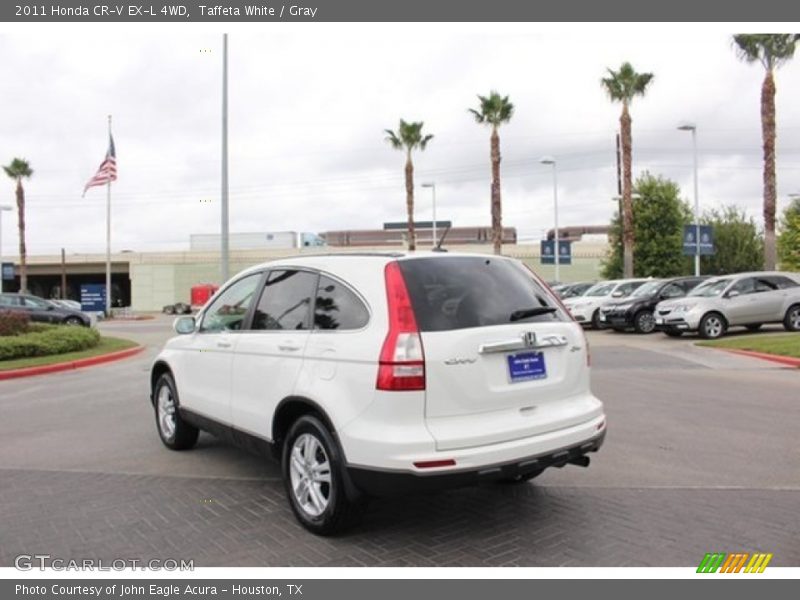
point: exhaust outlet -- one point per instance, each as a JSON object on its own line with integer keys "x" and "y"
{"x": 581, "y": 461}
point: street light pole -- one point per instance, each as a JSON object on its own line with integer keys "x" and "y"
{"x": 3, "y": 207}
{"x": 433, "y": 191}
{"x": 693, "y": 128}
{"x": 549, "y": 160}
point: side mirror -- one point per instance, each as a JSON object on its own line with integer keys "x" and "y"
{"x": 733, "y": 294}
{"x": 617, "y": 294}
{"x": 184, "y": 325}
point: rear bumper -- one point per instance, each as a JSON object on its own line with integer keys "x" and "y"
{"x": 383, "y": 482}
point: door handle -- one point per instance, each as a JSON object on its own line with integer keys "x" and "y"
{"x": 288, "y": 347}
{"x": 223, "y": 344}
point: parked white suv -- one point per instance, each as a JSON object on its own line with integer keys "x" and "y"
{"x": 372, "y": 374}
{"x": 748, "y": 299}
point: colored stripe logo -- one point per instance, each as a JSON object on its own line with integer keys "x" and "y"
{"x": 736, "y": 562}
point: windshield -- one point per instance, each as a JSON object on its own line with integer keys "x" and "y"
{"x": 648, "y": 289}
{"x": 601, "y": 289}
{"x": 711, "y": 288}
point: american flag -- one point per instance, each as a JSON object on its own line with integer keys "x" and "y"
{"x": 108, "y": 168}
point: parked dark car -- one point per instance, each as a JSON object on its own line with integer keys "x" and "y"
{"x": 636, "y": 311}
{"x": 43, "y": 311}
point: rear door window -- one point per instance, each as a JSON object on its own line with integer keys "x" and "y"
{"x": 781, "y": 282}
{"x": 462, "y": 291}
{"x": 337, "y": 307}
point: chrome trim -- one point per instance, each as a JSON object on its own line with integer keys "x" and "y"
{"x": 523, "y": 343}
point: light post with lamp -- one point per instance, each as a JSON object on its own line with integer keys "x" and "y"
{"x": 549, "y": 160}
{"x": 693, "y": 128}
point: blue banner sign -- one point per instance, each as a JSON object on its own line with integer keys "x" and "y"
{"x": 690, "y": 245}
{"x": 564, "y": 252}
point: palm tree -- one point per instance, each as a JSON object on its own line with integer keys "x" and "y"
{"x": 409, "y": 138}
{"x": 495, "y": 110}
{"x": 772, "y": 51}
{"x": 18, "y": 170}
{"x": 622, "y": 86}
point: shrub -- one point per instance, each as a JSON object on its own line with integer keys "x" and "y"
{"x": 13, "y": 322}
{"x": 52, "y": 340}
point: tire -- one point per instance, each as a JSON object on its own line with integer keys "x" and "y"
{"x": 73, "y": 321}
{"x": 712, "y": 326}
{"x": 753, "y": 327}
{"x": 791, "y": 322}
{"x": 170, "y": 310}
{"x": 176, "y": 433}
{"x": 644, "y": 322}
{"x": 520, "y": 478}
{"x": 676, "y": 333}
{"x": 596, "y": 324}
{"x": 310, "y": 454}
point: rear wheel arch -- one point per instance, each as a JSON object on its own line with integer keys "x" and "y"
{"x": 288, "y": 411}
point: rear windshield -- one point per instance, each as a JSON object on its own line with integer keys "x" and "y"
{"x": 457, "y": 292}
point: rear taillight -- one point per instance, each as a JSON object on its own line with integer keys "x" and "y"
{"x": 401, "y": 366}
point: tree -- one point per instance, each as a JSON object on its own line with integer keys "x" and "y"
{"x": 494, "y": 110}
{"x": 409, "y": 138}
{"x": 772, "y": 51}
{"x": 622, "y": 86}
{"x": 659, "y": 216}
{"x": 18, "y": 170}
{"x": 789, "y": 240}
{"x": 738, "y": 245}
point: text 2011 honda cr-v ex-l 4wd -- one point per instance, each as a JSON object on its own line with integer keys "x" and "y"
{"x": 376, "y": 374}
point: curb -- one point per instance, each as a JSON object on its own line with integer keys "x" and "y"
{"x": 777, "y": 358}
{"x": 70, "y": 365}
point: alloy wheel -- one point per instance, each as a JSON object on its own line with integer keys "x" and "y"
{"x": 310, "y": 475}
{"x": 166, "y": 412}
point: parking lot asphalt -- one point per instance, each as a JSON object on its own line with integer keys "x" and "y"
{"x": 700, "y": 456}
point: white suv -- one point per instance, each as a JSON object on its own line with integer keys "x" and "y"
{"x": 374, "y": 374}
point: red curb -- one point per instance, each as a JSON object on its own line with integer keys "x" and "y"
{"x": 70, "y": 365}
{"x": 777, "y": 358}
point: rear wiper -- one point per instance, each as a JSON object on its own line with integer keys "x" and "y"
{"x": 532, "y": 312}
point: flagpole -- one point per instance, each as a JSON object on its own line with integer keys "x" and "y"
{"x": 224, "y": 192}
{"x": 108, "y": 236}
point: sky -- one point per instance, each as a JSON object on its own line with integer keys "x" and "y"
{"x": 308, "y": 104}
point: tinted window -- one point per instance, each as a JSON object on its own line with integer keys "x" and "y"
{"x": 626, "y": 288}
{"x": 673, "y": 290}
{"x": 765, "y": 285}
{"x": 228, "y": 311}
{"x": 462, "y": 291}
{"x": 781, "y": 282}
{"x": 285, "y": 301}
{"x": 744, "y": 286}
{"x": 337, "y": 307}
{"x": 35, "y": 302}
{"x": 9, "y": 301}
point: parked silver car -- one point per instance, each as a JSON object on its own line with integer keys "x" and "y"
{"x": 744, "y": 299}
